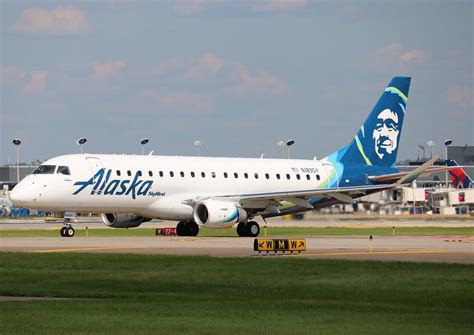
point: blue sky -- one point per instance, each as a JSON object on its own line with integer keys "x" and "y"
{"x": 238, "y": 76}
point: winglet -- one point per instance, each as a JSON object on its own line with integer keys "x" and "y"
{"x": 415, "y": 173}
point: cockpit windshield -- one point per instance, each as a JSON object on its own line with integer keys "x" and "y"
{"x": 45, "y": 169}
{"x": 64, "y": 170}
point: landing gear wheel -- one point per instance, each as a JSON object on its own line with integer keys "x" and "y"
{"x": 69, "y": 232}
{"x": 252, "y": 228}
{"x": 191, "y": 228}
{"x": 180, "y": 229}
{"x": 62, "y": 232}
{"x": 241, "y": 231}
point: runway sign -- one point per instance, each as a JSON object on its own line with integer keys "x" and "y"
{"x": 281, "y": 245}
{"x": 166, "y": 231}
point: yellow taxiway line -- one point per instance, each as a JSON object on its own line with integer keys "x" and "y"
{"x": 84, "y": 249}
{"x": 371, "y": 253}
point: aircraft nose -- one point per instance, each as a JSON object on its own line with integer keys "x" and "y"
{"x": 19, "y": 195}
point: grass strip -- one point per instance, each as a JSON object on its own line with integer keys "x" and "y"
{"x": 156, "y": 294}
{"x": 271, "y": 231}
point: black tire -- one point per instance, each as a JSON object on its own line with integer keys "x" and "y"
{"x": 69, "y": 232}
{"x": 241, "y": 231}
{"x": 180, "y": 229}
{"x": 191, "y": 228}
{"x": 252, "y": 228}
{"x": 62, "y": 232}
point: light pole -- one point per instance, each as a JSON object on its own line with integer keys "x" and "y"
{"x": 431, "y": 144}
{"x": 80, "y": 142}
{"x": 144, "y": 141}
{"x": 198, "y": 145}
{"x": 422, "y": 147}
{"x": 281, "y": 144}
{"x": 289, "y": 143}
{"x": 17, "y": 142}
{"x": 447, "y": 143}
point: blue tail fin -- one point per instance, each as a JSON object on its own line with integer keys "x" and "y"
{"x": 376, "y": 142}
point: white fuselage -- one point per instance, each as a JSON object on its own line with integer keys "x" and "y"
{"x": 160, "y": 186}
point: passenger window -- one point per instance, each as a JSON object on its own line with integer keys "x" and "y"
{"x": 203, "y": 175}
{"x": 64, "y": 170}
{"x": 246, "y": 175}
{"x": 225, "y": 174}
{"x": 213, "y": 174}
{"x": 139, "y": 173}
{"x": 161, "y": 173}
{"x": 267, "y": 176}
{"x": 288, "y": 176}
{"x": 256, "y": 175}
{"x": 318, "y": 177}
{"x": 118, "y": 173}
{"x": 298, "y": 176}
{"x": 150, "y": 173}
{"x": 182, "y": 174}
{"x": 278, "y": 176}
{"x": 308, "y": 177}
{"x": 171, "y": 174}
{"x": 192, "y": 174}
{"x": 45, "y": 169}
{"x": 236, "y": 175}
{"x": 129, "y": 173}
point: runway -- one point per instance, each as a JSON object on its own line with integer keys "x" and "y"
{"x": 399, "y": 248}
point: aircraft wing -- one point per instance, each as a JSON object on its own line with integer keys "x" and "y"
{"x": 301, "y": 198}
{"x": 273, "y": 202}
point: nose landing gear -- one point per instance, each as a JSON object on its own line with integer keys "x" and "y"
{"x": 248, "y": 229}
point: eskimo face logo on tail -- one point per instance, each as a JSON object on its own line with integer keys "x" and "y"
{"x": 100, "y": 183}
{"x": 386, "y": 133}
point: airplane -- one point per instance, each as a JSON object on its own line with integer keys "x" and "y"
{"x": 459, "y": 177}
{"x": 216, "y": 192}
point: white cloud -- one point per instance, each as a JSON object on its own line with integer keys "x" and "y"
{"x": 395, "y": 52}
{"x": 190, "y": 69}
{"x": 415, "y": 55}
{"x": 169, "y": 66}
{"x": 63, "y": 20}
{"x": 37, "y": 83}
{"x": 279, "y": 5}
{"x": 261, "y": 83}
{"x": 107, "y": 70}
{"x": 11, "y": 75}
{"x": 462, "y": 96}
{"x": 190, "y": 7}
{"x": 182, "y": 101}
{"x": 207, "y": 64}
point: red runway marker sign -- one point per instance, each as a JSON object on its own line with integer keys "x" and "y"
{"x": 166, "y": 231}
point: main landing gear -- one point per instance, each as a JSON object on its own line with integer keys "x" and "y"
{"x": 248, "y": 229}
{"x": 187, "y": 228}
{"x": 67, "y": 231}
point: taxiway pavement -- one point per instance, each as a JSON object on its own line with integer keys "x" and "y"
{"x": 457, "y": 249}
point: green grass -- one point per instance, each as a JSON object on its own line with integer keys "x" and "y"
{"x": 273, "y": 231}
{"x": 150, "y": 294}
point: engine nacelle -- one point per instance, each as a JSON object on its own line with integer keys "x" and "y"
{"x": 218, "y": 214}
{"x": 123, "y": 220}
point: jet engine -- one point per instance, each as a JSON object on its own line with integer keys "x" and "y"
{"x": 216, "y": 213}
{"x": 123, "y": 220}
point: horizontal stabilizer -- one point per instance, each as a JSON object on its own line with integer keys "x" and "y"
{"x": 415, "y": 173}
{"x": 393, "y": 177}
